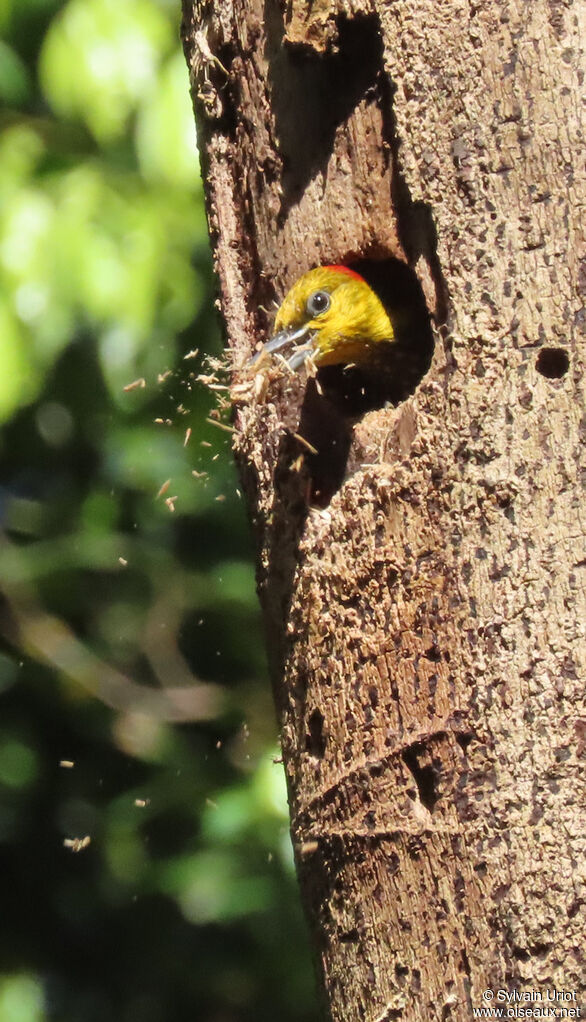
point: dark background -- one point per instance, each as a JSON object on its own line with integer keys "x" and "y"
{"x": 130, "y": 639}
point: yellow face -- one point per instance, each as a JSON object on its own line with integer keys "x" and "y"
{"x": 333, "y": 316}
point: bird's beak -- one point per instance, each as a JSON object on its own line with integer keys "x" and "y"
{"x": 282, "y": 340}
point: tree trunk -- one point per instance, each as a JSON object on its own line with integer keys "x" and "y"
{"x": 425, "y": 607}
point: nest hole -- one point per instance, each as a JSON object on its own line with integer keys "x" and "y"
{"x": 355, "y": 390}
{"x": 343, "y": 394}
{"x": 315, "y": 739}
{"x": 553, "y": 363}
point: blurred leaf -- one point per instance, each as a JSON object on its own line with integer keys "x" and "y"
{"x": 21, "y": 148}
{"x": 209, "y": 887}
{"x": 14, "y": 80}
{"x": 21, "y": 999}
{"x": 99, "y": 59}
{"x": 19, "y": 379}
{"x": 18, "y": 763}
{"x": 165, "y": 133}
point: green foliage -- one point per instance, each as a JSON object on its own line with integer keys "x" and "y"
{"x": 21, "y": 999}
{"x": 129, "y": 629}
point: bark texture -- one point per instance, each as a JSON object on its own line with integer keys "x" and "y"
{"x": 426, "y": 627}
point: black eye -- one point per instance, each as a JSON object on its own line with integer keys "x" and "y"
{"x": 318, "y": 302}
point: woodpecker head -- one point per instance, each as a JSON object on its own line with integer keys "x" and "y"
{"x": 332, "y": 316}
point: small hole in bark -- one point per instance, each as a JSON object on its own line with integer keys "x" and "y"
{"x": 540, "y": 950}
{"x": 553, "y": 363}
{"x": 574, "y": 909}
{"x": 315, "y": 742}
{"x": 463, "y": 739}
{"x": 521, "y": 953}
{"x": 433, "y": 653}
{"x": 465, "y": 962}
{"x": 423, "y": 776}
{"x": 393, "y": 864}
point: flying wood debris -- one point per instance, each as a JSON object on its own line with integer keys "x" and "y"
{"x": 139, "y": 384}
{"x": 306, "y": 443}
{"x": 211, "y": 382}
{"x": 77, "y": 844}
{"x": 220, "y": 425}
{"x": 163, "y": 489}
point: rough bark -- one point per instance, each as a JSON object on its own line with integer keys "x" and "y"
{"x": 426, "y": 627}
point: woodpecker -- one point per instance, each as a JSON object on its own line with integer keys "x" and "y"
{"x": 332, "y": 317}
